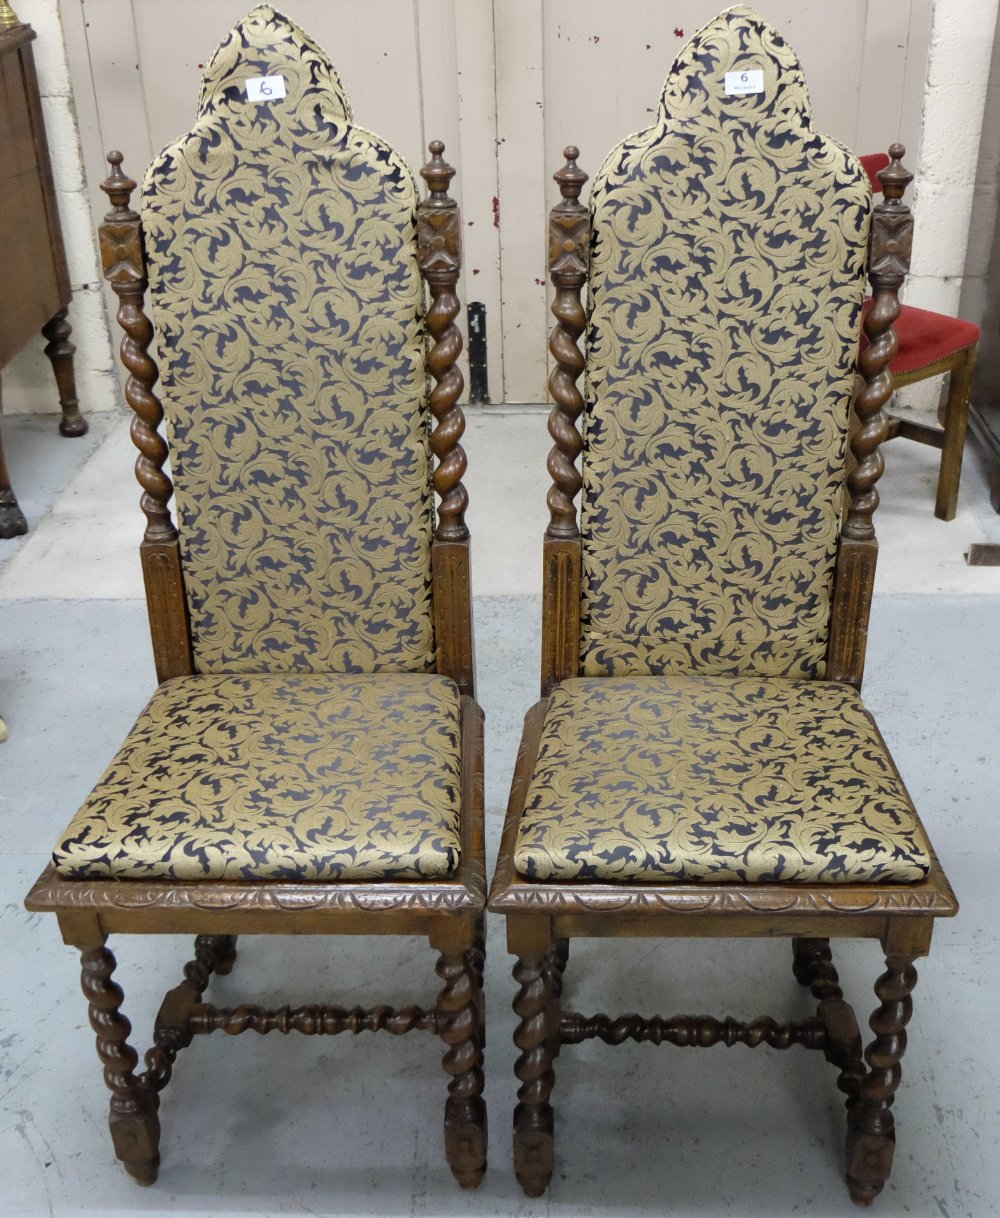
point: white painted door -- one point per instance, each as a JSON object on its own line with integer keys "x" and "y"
{"x": 589, "y": 72}
{"x": 506, "y": 84}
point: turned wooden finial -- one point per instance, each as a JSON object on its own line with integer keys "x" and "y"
{"x": 569, "y": 228}
{"x": 439, "y": 234}
{"x": 437, "y": 173}
{"x": 895, "y": 177}
{"x": 118, "y": 187}
{"x": 571, "y": 177}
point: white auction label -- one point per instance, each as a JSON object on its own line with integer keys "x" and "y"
{"x": 750, "y": 81}
{"x": 265, "y": 88}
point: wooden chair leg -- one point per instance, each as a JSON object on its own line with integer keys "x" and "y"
{"x": 558, "y": 960}
{"x": 60, "y": 352}
{"x": 134, "y": 1120}
{"x": 538, "y": 1007}
{"x": 460, "y": 1026}
{"x": 225, "y": 953}
{"x": 813, "y": 967}
{"x": 871, "y": 1135}
{"x": 956, "y": 422}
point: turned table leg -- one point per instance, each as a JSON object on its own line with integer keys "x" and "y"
{"x": 460, "y": 1026}
{"x": 60, "y": 351}
{"x": 871, "y": 1136}
{"x": 135, "y": 1125}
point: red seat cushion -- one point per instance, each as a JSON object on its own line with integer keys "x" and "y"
{"x": 925, "y": 337}
{"x": 871, "y": 164}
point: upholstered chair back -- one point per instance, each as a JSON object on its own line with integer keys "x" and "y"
{"x": 725, "y": 288}
{"x": 288, "y": 303}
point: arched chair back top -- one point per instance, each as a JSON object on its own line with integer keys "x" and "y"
{"x": 726, "y": 278}
{"x": 281, "y": 250}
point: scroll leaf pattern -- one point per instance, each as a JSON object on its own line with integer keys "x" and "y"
{"x": 280, "y": 776}
{"x": 725, "y": 288}
{"x": 742, "y": 779}
{"x": 284, "y": 283}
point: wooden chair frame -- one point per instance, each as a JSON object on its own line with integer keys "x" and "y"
{"x": 542, "y": 917}
{"x": 953, "y": 414}
{"x": 449, "y": 913}
{"x": 950, "y": 438}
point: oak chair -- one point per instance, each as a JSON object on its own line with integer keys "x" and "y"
{"x": 931, "y": 344}
{"x": 311, "y": 762}
{"x": 701, "y": 763}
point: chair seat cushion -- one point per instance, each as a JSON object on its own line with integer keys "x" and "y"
{"x": 684, "y": 778}
{"x": 285, "y": 776}
{"x": 925, "y": 337}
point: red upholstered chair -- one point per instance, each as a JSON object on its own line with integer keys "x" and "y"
{"x": 933, "y": 344}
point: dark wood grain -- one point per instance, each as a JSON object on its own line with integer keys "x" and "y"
{"x": 124, "y": 261}
{"x": 439, "y": 253}
{"x": 569, "y": 258}
{"x": 872, "y": 1136}
{"x": 135, "y": 1126}
{"x": 854, "y": 578}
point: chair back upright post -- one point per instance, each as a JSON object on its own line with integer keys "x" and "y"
{"x": 890, "y": 246}
{"x": 569, "y": 259}
{"x": 123, "y": 258}
{"x": 439, "y": 255}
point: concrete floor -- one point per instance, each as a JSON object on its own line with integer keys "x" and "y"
{"x": 297, "y": 1126}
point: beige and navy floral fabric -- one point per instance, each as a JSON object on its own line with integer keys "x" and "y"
{"x": 725, "y": 293}
{"x": 288, "y": 304}
{"x": 746, "y": 779}
{"x": 280, "y": 776}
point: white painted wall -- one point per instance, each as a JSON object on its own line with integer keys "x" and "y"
{"x": 589, "y": 72}
{"x": 985, "y": 200}
{"x": 506, "y": 83}
{"x": 958, "y": 69}
{"x": 28, "y": 383}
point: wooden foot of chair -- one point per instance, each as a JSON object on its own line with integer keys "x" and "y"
{"x": 537, "y": 1005}
{"x": 460, "y": 1026}
{"x": 133, "y": 1119}
{"x": 871, "y": 1135}
{"x": 956, "y": 422}
{"x": 60, "y": 352}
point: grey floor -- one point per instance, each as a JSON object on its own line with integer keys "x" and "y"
{"x": 342, "y": 1126}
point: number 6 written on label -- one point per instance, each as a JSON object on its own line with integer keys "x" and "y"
{"x": 265, "y": 88}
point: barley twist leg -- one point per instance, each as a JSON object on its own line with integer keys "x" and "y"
{"x": 535, "y": 1037}
{"x": 871, "y": 1134}
{"x": 135, "y": 1125}
{"x": 459, "y": 1010}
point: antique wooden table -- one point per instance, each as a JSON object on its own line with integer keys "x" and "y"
{"x": 36, "y": 291}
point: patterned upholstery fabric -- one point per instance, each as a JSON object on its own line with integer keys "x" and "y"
{"x": 725, "y": 293}
{"x": 283, "y": 776}
{"x": 715, "y": 779}
{"x": 288, "y": 305}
